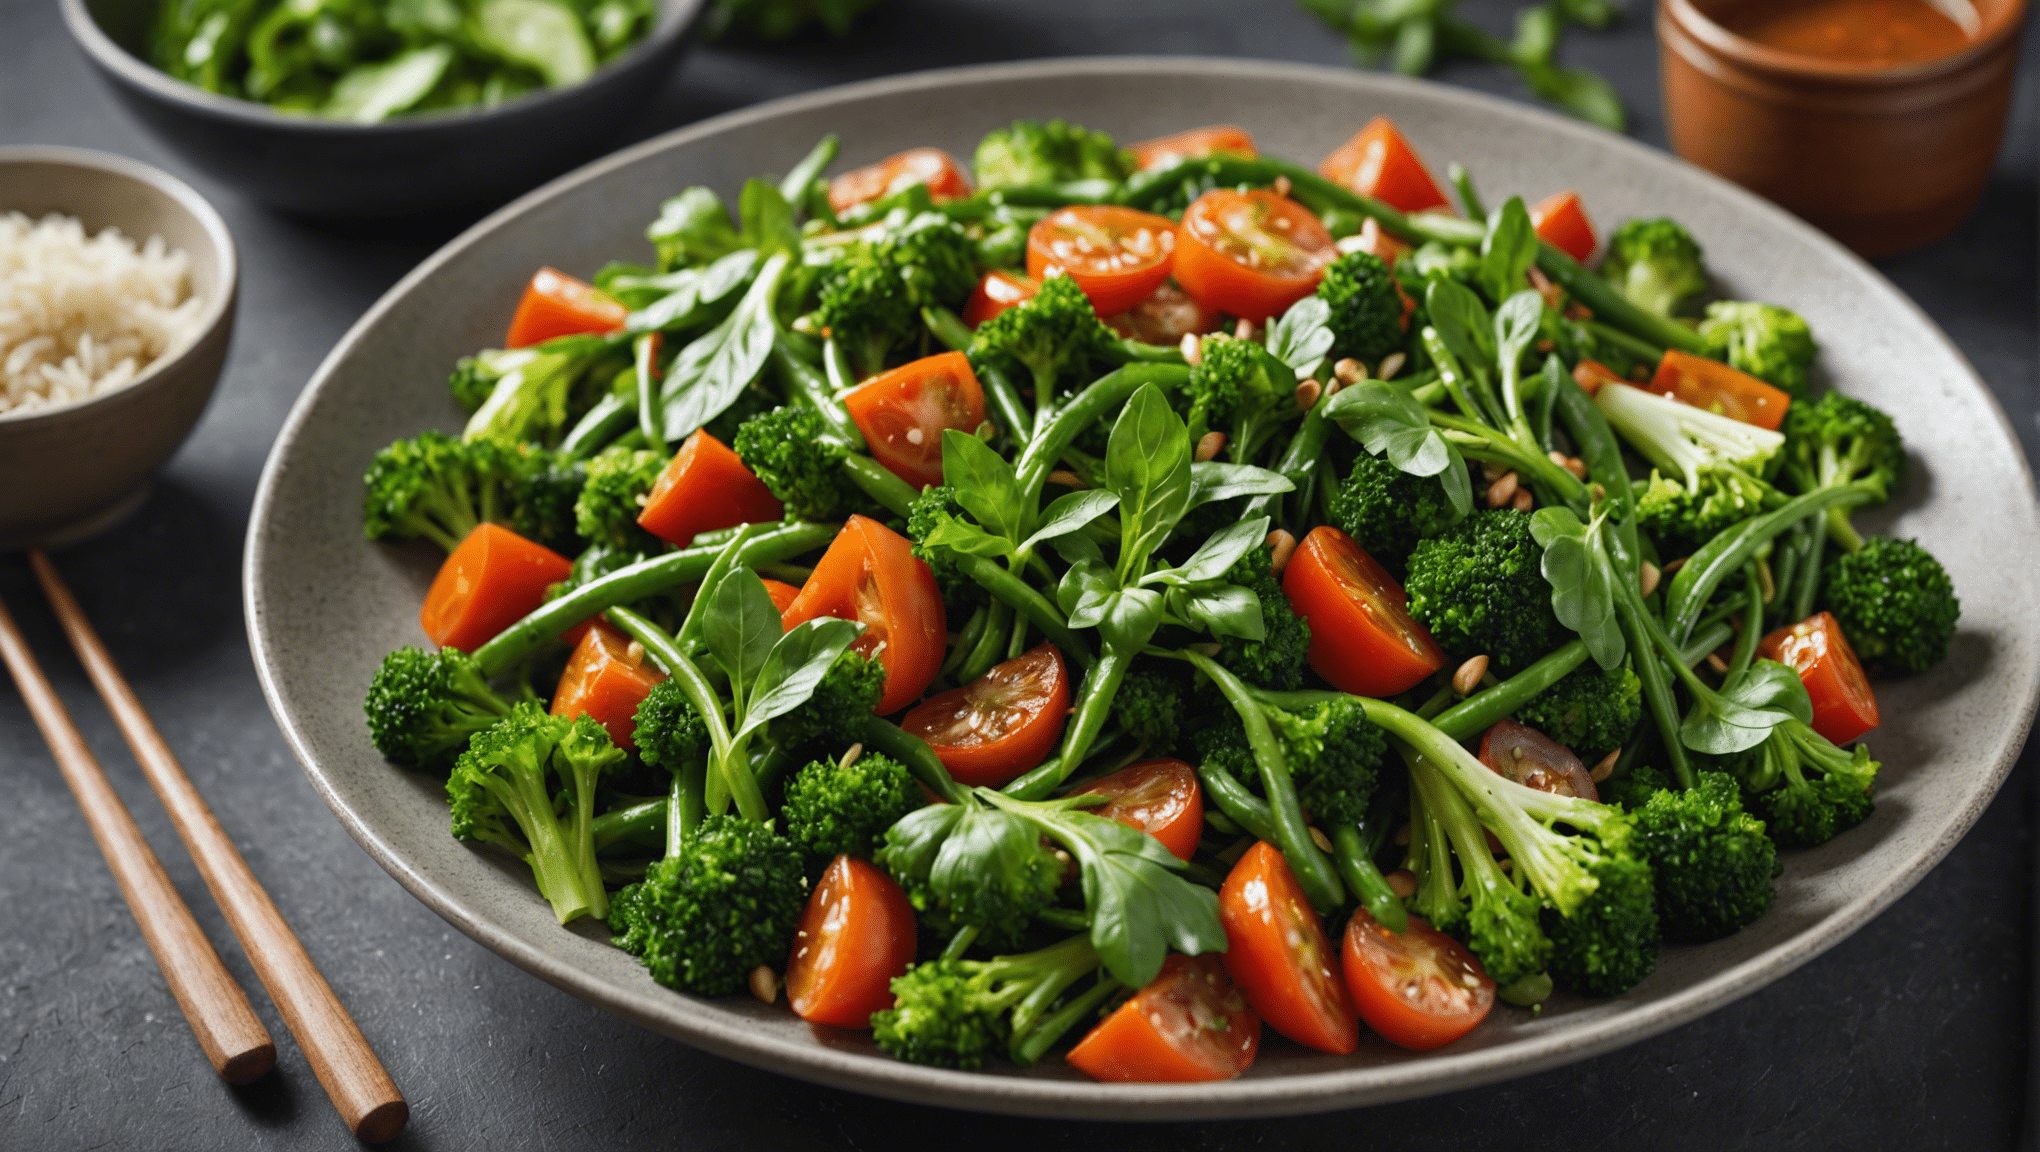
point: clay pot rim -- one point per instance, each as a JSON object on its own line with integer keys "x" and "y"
{"x": 1693, "y": 22}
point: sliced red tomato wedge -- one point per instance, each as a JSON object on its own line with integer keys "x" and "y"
{"x": 1192, "y": 145}
{"x": 937, "y": 169}
{"x": 1418, "y": 988}
{"x": 493, "y": 579}
{"x": 1276, "y": 950}
{"x": 556, "y": 304}
{"x": 902, "y": 413}
{"x": 1116, "y": 255}
{"x": 870, "y": 574}
{"x": 1561, "y": 221}
{"x": 1160, "y": 797}
{"x": 856, "y": 936}
{"x": 1534, "y": 760}
{"x": 1362, "y": 637}
{"x": 705, "y": 487}
{"x": 1715, "y": 386}
{"x": 1378, "y": 162}
{"x": 1250, "y": 254}
{"x": 1165, "y": 316}
{"x": 996, "y": 292}
{"x": 605, "y": 681}
{"x": 1844, "y": 707}
{"x": 781, "y": 592}
{"x": 1190, "y": 1024}
{"x": 1001, "y": 724}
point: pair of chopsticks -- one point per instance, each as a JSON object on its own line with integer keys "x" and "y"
{"x": 233, "y": 1039}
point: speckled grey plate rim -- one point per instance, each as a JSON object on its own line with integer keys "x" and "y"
{"x": 1310, "y": 1083}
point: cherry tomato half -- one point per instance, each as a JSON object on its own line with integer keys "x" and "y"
{"x": 604, "y": 681}
{"x": 1251, "y": 254}
{"x": 1190, "y": 1024}
{"x": 1277, "y": 951}
{"x": 1561, "y": 221}
{"x": 1116, "y": 255}
{"x": 1378, "y": 162}
{"x": 902, "y": 413}
{"x": 489, "y": 582}
{"x": 556, "y": 304}
{"x": 870, "y": 574}
{"x": 999, "y": 725}
{"x": 1194, "y": 144}
{"x": 1534, "y": 760}
{"x": 1166, "y": 316}
{"x": 1362, "y": 637}
{"x": 937, "y": 169}
{"x": 1715, "y": 386}
{"x": 1844, "y": 707}
{"x": 705, "y": 487}
{"x": 1160, "y": 797}
{"x": 781, "y": 592}
{"x": 1418, "y": 988}
{"x": 998, "y": 291}
{"x": 855, "y": 937}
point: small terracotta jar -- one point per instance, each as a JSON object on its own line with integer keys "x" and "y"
{"x": 1882, "y": 158}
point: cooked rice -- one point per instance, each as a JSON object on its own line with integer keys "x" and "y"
{"x": 80, "y": 315}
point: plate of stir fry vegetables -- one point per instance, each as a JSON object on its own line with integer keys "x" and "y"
{"x": 979, "y": 589}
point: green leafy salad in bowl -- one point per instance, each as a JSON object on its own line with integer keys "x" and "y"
{"x": 1124, "y": 602}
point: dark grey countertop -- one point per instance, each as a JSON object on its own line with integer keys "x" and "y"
{"x": 1913, "y": 1032}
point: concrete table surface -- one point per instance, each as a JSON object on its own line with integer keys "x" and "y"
{"x": 1913, "y": 1032}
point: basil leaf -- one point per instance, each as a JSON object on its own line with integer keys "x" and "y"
{"x": 985, "y": 848}
{"x": 962, "y": 536}
{"x": 1220, "y": 609}
{"x": 1462, "y": 322}
{"x": 915, "y": 840}
{"x": 1147, "y": 465}
{"x": 691, "y": 293}
{"x": 693, "y": 228}
{"x": 739, "y": 624}
{"x": 795, "y": 666}
{"x": 1303, "y": 336}
{"x": 1390, "y": 422}
{"x": 984, "y": 484}
{"x": 1216, "y": 555}
{"x": 767, "y": 220}
{"x": 1129, "y": 618}
{"x": 1069, "y": 513}
{"x": 1508, "y": 250}
{"x": 1084, "y": 591}
{"x": 1771, "y": 685}
{"x": 1516, "y": 324}
{"x": 1211, "y": 480}
{"x": 540, "y": 34}
{"x": 1582, "y": 581}
{"x": 1076, "y": 548}
{"x": 714, "y": 370}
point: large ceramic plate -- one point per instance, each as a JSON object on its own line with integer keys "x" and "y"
{"x": 324, "y": 606}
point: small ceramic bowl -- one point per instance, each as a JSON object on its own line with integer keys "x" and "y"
{"x": 1884, "y": 159}
{"x": 431, "y": 162}
{"x": 69, "y": 470}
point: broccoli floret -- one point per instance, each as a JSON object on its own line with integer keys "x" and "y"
{"x": 1033, "y": 152}
{"x": 790, "y": 451}
{"x": 725, "y": 903}
{"x": 1609, "y": 945}
{"x": 834, "y": 809}
{"x": 1052, "y": 334}
{"x": 953, "y": 1013}
{"x": 1713, "y": 863}
{"x": 1277, "y": 659}
{"x": 1479, "y": 587}
{"x": 934, "y": 505}
{"x": 1591, "y": 710}
{"x": 1333, "y": 752}
{"x": 1499, "y": 921}
{"x": 670, "y": 732}
{"x": 935, "y": 259}
{"x": 970, "y": 866}
{"x": 1806, "y": 790}
{"x": 866, "y": 307}
{"x": 1768, "y": 342}
{"x": 474, "y": 377}
{"x": 527, "y": 785}
{"x": 1386, "y": 510}
{"x": 1634, "y": 788}
{"x": 619, "y": 478}
{"x": 1840, "y": 440}
{"x": 1894, "y": 602}
{"x": 841, "y": 703}
{"x": 1708, "y": 467}
{"x": 1654, "y": 263}
{"x": 440, "y": 488}
{"x": 1150, "y": 707}
{"x": 423, "y": 706}
{"x": 1239, "y": 384}
{"x": 1681, "y": 519}
{"x": 1367, "y": 310}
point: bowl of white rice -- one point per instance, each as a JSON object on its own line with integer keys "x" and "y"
{"x": 117, "y": 287}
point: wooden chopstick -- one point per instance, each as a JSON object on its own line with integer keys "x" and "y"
{"x": 362, "y": 1091}
{"x": 217, "y": 1010}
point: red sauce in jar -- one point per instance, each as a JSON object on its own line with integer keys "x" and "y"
{"x": 1887, "y": 33}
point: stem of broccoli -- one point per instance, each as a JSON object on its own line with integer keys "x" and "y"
{"x": 635, "y": 582}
